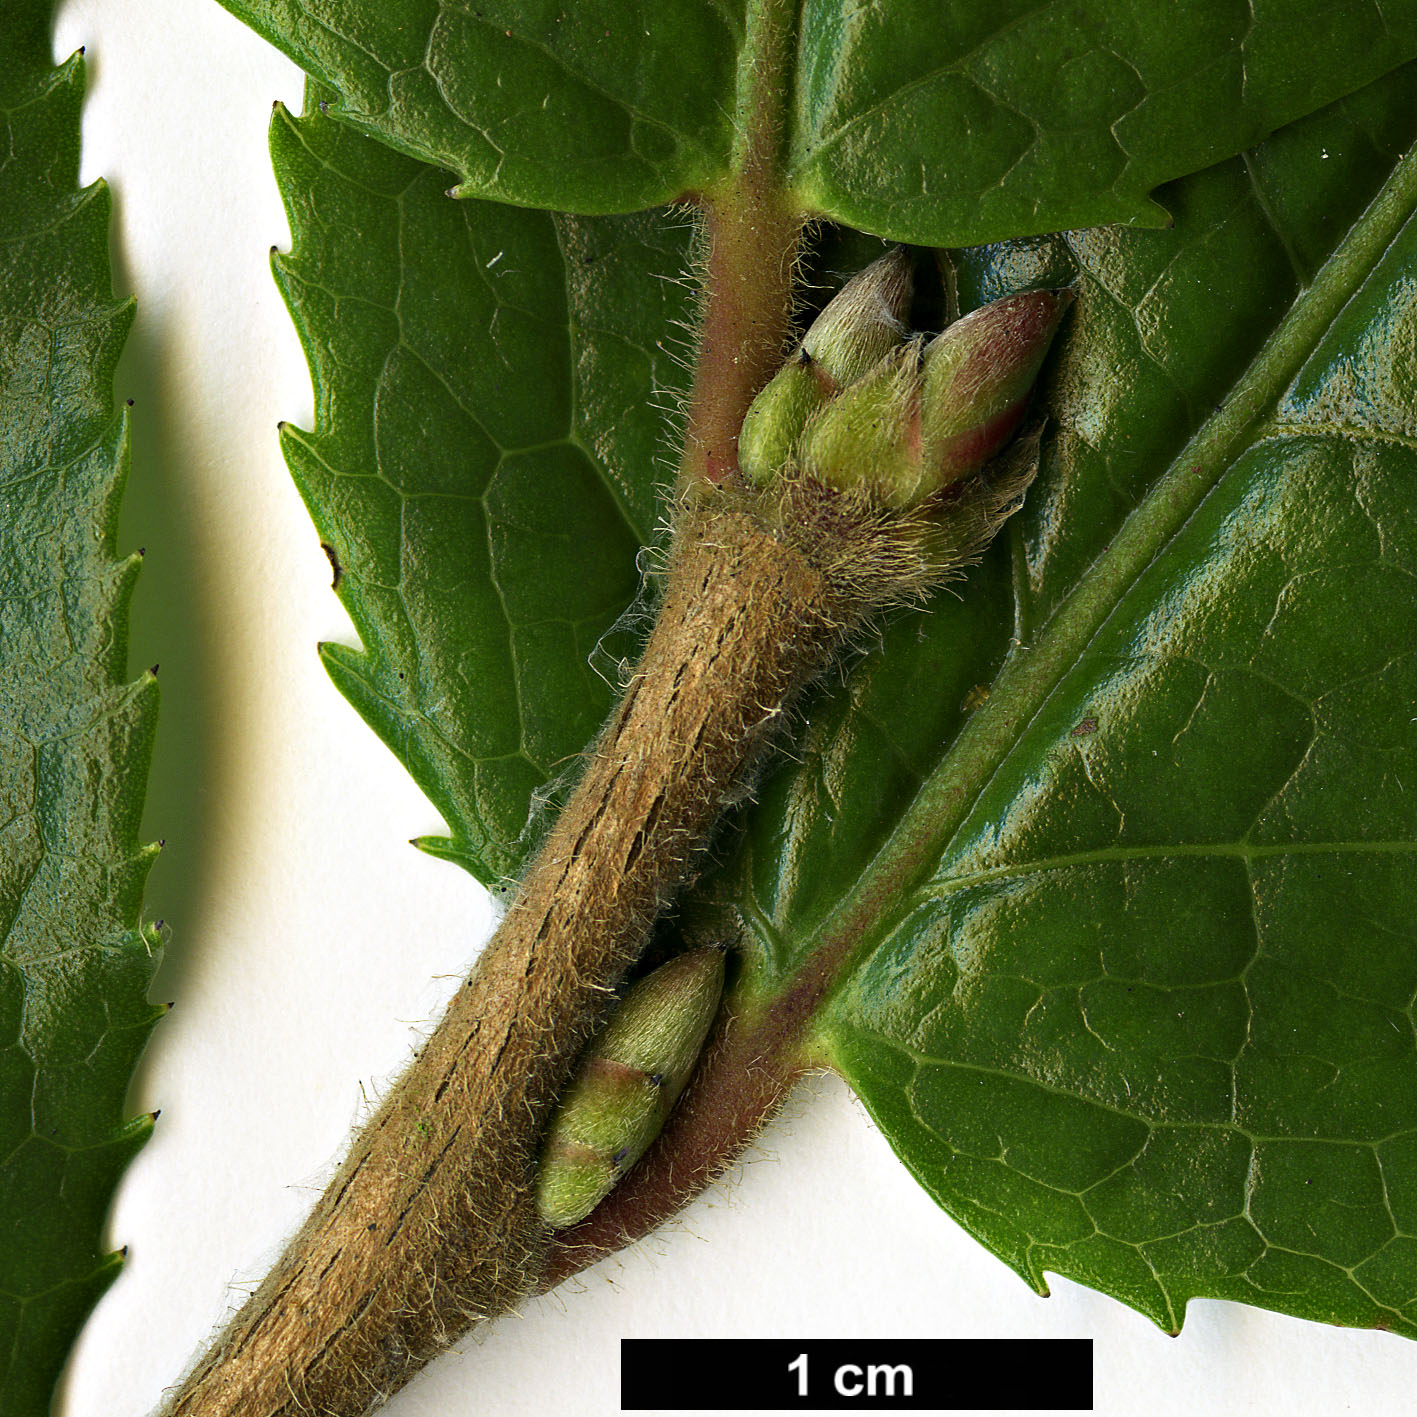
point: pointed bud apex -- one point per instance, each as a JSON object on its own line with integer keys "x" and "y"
{"x": 869, "y": 436}
{"x": 861, "y": 325}
{"x": 923, "y": 419}
{"x": 776, "y": 419}
{"x": 626, "y": 1084}
{"x": 864, "y": 321}
{"x": 978, "y": 377}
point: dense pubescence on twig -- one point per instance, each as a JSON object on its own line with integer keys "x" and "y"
{"x": 752, "y": 1061}
{"x": 430, "y": 1224}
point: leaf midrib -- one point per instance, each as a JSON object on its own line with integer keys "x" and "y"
{"x": 946, "y": 798}
{"x": 1237, "y": 850}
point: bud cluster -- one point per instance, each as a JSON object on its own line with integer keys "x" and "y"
{"x": 863, "y": 405}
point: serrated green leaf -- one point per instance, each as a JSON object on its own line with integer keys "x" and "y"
{"x": 75, "y": 961}
{"x": 484, "y": 466}
{"x": 1175, "y": 468}
{"x": 1074, "y": 112}
{"x": 1138, "y": 1010}
{"x": 538, "y": 104}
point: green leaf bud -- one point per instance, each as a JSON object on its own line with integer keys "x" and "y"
{"x": 859, "y": 327}
{"x": 978, "y": 377}
{"x": 869, "y": 436}
{"x": 864, "y": 321}
{"x": 926, "y": 417}
{"x": 776, "y": 419}
{"x": 627, "y": 1082}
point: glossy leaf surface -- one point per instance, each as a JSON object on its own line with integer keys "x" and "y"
{"x": 1073, "y": 111}
{"x": 1140, "y": 1011}
{"x": 484, "y": 463}
{"x": 1150, "y": 750}
{"x": 75, "y": 961}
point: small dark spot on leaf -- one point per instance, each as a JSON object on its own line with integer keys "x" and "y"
{"x": 976, "y": 696}
{"x": 657, "y": 1079}
{"x": 324, "y": 106}
{"x": 372, "y": 1227}
{"x": 334, "y": 564}
{"x": 1088, "y": 725}
{"x": 129, "y": 402}
{"x": 142, "y": 551}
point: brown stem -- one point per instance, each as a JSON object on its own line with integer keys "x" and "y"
{"x": 744, "y": 327}
{"x": 753, "y": 229}
{"x": 429, "y": 1225}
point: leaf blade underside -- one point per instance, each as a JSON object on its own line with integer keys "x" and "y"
{"x": 1170, "y": 326}
{"x": 75, "y": 738}
{"x": 1075, "y": 112}
{"x": 486, "y": 514}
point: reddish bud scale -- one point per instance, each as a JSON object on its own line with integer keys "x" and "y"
{"x": 916, "y": 424}
{"x": 959, "y": 454}
{"x": 978, "y": 376}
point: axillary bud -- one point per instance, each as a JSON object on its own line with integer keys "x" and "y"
{"x": 626, "y": 1083}
{"x": 864, "y": 321}
{"x": 924, "y": 419}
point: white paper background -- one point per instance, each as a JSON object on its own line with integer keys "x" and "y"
{"x": 309, "y": 943}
